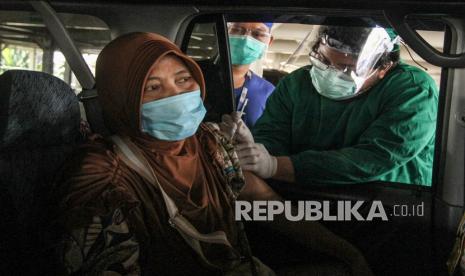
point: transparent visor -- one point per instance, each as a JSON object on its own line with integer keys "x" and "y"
{"x": 376, "y": 45}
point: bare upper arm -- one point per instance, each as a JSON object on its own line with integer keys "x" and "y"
{"x": 256, "y": 188}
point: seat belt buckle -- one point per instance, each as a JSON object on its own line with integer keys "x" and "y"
{"x": 171, "y": 223}
{"x": 87, "y": 94}
{"x": 171, "y": 220}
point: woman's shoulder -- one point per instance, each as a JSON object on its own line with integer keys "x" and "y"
{"x": 92, "y": 183}
{"x": 97, "y": 153}
{"x": 212, "y": 137}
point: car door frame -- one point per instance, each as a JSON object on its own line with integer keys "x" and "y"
{"x": 389, "y": 193}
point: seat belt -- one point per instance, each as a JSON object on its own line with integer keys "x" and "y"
{"x": 78, "y": 65}
{"x": 93, "y": 110}
{"x": 132, "y": 157}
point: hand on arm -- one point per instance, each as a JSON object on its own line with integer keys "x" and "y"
{"x": 234, "y": 128}
{"x": 254, "y": 156}
{"x": 285, "y": 169}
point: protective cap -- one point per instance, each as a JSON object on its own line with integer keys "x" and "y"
{"x": 268, "y": 24}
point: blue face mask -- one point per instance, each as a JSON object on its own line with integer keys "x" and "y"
{"x": 245, "y": 49}
{"x": 332, "y": 84}
{"x": 174, "y": 118}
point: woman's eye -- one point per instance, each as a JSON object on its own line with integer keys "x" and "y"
{"x": 152, "y": 88}
{"x": 184, "y": 80}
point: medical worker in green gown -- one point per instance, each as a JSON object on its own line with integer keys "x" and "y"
{"x": 357, "y": 114}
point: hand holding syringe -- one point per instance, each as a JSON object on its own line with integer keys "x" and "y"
{"x": 252, "y": 156}
{"x": 234, "y": 127}
{"x": 241, "y": 112}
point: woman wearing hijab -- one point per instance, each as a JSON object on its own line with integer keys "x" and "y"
{"x": 120, "y": 221}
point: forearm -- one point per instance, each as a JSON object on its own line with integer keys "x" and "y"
{"x": 318, "y": 238}
{"x": 310, "y": 234}
{"x": 284, "y": 170}
{"x": 256, "y": 188}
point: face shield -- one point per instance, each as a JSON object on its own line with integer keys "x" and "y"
{"x": 377, "y": 44}
{"x": 342, "y": 73}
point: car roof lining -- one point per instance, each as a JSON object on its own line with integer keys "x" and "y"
{"x": 419, "y": 22}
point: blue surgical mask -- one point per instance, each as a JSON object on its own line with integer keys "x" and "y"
{"x": 245, "y": 49}
{"x": 173, "y": 118}
{"x": 332, "y": 84}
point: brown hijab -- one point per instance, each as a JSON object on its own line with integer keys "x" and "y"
{"x": 186, "y": 169}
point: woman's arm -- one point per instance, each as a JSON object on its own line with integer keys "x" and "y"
{"x": 284, "y": 170}
{"x": 310, "y": 234}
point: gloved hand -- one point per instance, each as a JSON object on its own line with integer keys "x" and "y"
{"x": 234, "y": 128}
{"x": 255, "y": 158}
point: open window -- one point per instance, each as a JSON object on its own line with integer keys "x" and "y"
{"x": 380, "y": 241}
{"x": 26, "y": 43}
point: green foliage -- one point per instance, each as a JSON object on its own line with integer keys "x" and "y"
{"x": 15, "y": 57}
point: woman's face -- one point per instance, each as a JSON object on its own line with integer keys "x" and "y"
{"x": 169, "y": 77}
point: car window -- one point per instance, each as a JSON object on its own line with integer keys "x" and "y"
{"x": 26, "y": 43}
{"x": 291, "y": 48}
{"x": 203, "y": 42}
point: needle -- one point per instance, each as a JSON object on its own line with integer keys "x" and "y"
{"x": 243, "y": 107}
{"x": 241, "y": 112}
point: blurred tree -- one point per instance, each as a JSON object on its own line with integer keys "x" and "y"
{"x": 14, "y": 57}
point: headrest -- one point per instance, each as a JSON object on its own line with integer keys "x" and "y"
{"x": 36, "y": 109}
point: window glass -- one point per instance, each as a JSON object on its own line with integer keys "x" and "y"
{"x": 16, "y": 56}
{"x": 26, "y": 43}
{"x": 203, "y": 42}
{"x": 202, "y": 45}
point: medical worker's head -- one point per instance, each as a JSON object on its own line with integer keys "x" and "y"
{"x": 248, "y": 41}
{"x": 350, "y": 60}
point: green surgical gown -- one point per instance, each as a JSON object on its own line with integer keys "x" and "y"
{"x": 385, "y": 134}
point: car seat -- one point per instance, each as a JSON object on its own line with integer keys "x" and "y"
{"x": 39, "y": 128}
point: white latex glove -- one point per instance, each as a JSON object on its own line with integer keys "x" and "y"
{"x": 233, "y": 127}
{"x": 255, "y": 158}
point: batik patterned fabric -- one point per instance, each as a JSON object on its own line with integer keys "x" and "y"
{"x": 227, "y": 158}
{"x": 457, "y": 256}
{"x": 105, "y": 247}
